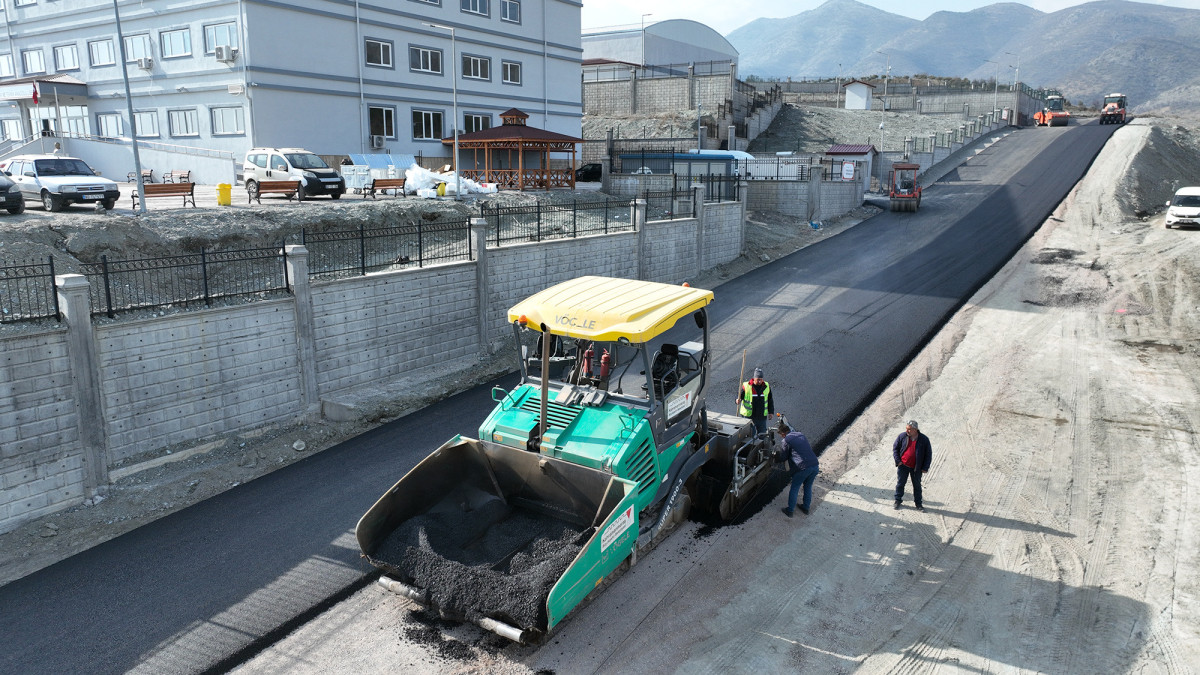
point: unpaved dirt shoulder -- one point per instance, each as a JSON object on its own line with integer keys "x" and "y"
{"x": 1061, "y": 512}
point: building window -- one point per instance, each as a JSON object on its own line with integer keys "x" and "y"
{"x": 476, "y": 67}
{"x": 476, "y": 122}
{"x": 379, "y": 53}
{"x": 137, "y": 47}
{"x": 220, "y": 35}
{"x": 475, "y": 6}
{"x": 147, "y": 124}
{"x": 25, "y": 3}
{"x": 176, "y": 43}
{"x": 382, "y": 121}
{"x": 66, "y": 57}
{"x": 228, "y": 121}
{"x": 429, "y": 2}
{"x": 427, "y": 125}
{"x": 511, "y": 71}
{"x": 510, "y": 10}
{"x": 11, "y": 130}
{"x": 183, "y": 122}
{"x": 33, "y": 60}
{"x": 6, "y": 66}
{"x": 425, "y": 60}
{"x": 101, "y": 52}
{"x": 108, "y": 125}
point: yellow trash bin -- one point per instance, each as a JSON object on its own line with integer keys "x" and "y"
{"x": 441, "y": 190}
{"x": 224, "y": 194}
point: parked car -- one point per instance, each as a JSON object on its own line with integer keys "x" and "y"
{"x": 588, "y": 173}
{"x": 1184, "y": 208}
{"x": 315, "y": 176}
{"x": 14, "y": 201}
{"x": 58, "y": 181}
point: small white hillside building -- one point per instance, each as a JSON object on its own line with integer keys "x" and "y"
{"x": 858, "y": 95}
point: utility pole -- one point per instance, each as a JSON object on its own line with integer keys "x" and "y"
{"x": 454, "y": 94}
{"x": 137, "y": 159}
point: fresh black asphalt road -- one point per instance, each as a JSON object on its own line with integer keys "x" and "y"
{"x": 831, "y": 324}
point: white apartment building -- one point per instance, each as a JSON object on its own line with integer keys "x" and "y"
{"x": 217, "y": 77}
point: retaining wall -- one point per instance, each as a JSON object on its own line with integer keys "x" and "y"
{"x": 41, "y": 461}
{"x": 83, "y": 400}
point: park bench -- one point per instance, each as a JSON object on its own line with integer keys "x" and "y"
{"x": 147, "y": 176}
{"x": 396, "y": 185}
{"x": 185, "y": 190}
{"x": 289, "y": 187}
{"x": 177, "y": 177}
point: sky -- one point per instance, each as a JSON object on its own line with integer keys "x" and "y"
{"x": 724, "y": 16}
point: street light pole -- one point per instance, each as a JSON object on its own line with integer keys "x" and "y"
{"x": 996, "y": 93}
{"x": 137, "y": 159}
{"x": 454, "y": 90}
{"x": 883, "y": 111}
{"x": 644, "y": 37}
{"x": 1017, "y": 72}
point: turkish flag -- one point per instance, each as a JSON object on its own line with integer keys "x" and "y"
{"x": 35, "y": 98}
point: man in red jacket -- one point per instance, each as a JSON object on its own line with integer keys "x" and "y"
{"x": 913, "y": 453}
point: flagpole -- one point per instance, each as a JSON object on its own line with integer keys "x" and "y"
{"x": 38, "y": 112}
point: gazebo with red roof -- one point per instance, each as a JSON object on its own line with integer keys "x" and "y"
{"x": 530, "y": 167}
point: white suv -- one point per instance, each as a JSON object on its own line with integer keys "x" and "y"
{"x": 315, "y": 176}
{"x": 57, "y": 181}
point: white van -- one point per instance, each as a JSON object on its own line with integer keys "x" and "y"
{"x": 1184, "y": 208}
{"x": 315, "y": 176}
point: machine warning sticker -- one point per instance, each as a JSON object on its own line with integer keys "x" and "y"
{"x": 678, "y": 404}
{"x": 617, "y": 528}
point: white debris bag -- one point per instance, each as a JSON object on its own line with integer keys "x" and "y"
{"x": 417, "y": 178}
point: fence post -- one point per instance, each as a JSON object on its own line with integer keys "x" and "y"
{"x": 479, "y": 228}
{"x": 296, "y": 259}
{"x": 73, "y": 297}
{"x": 638, "y": 215}
{"x": 700, "y": 209}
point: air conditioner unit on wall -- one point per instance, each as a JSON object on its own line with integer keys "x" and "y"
{"x": 145, "y": 63}
{"x": 225, "y": 53}
{"x": 377, "y": 142}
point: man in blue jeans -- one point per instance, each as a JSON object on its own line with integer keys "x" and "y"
{"x": 802, "y": 464}
{"x": 913, "y": 453}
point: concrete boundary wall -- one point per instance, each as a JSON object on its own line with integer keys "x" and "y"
{"x": 92, "y": 399}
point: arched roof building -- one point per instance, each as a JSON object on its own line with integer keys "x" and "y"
{"x": 675, "y": 41}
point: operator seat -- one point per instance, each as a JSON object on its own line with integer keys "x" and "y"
{"x": 665, "y": 369}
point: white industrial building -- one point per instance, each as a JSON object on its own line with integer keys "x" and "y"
{"x": 677, "y": 41}
{"x": 212, "y": 79}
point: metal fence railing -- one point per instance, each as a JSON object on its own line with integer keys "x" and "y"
{"x": 184, "y": 280}
{"x": 537, "y": 222}
{"x": 27, "y": 292}
{"x": 669, "y": 204}
{"x": 376, "y": 249}
{"x": 717, "y": 188}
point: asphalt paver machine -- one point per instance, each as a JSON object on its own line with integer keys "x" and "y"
{"x": 601, "y": 449}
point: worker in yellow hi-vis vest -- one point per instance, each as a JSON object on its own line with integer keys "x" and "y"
{"x": 754, "y": 401}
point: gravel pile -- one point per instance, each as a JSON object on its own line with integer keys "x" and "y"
{"x": 480, "y": 557}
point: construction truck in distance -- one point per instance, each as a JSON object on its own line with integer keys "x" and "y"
{"x": 905, "y": 191}
{"x": 1053, "y": 113}
{"x": 1113, "y": 110}
{"x": 600, "y": 450}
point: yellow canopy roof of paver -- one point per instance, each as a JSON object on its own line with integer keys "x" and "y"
{"x": 606, "y": 309}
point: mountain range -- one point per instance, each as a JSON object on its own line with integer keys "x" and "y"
{"x": 1149, "y": 52}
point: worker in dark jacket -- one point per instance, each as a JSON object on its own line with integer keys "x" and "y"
{"x": 913, "y": 454}
{"x": 754, "y": 401}
{"x": 802, "y": 464}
